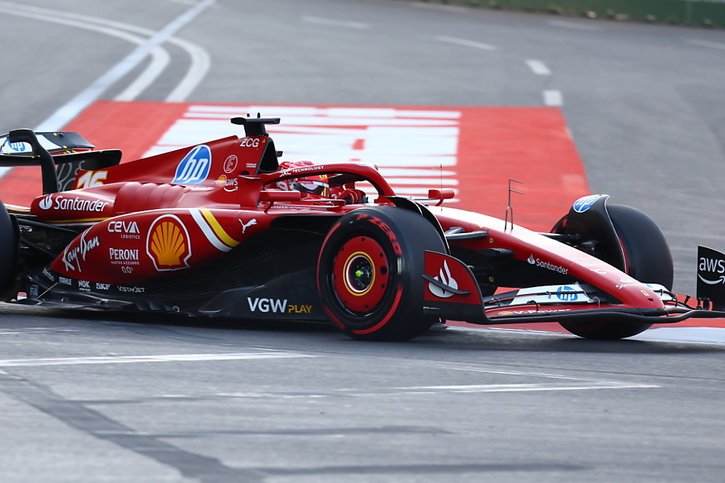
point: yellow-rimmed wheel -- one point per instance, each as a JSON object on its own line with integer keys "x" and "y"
{"x": 370, "y": 271}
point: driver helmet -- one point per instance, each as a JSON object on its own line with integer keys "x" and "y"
{"x": 315, "y": 185}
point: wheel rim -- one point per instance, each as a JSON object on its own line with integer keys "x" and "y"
{"x": 360, "y": 275}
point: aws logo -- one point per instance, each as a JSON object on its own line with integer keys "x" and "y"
{"x": 168, "y": 244}
{"x": 195, "y": 166}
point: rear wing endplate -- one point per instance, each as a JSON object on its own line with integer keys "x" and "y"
{"x": 23, "y": 147}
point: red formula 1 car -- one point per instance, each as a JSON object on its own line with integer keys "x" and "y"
{"x": 221, "y": 230}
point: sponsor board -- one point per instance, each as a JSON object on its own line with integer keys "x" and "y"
{"x": 74, "y": 255}
{"x": 276, "y": 306}
{"x": 123, "y": 256}
{"x": 583, "y": 204}
{"x": 168, "y": 243}
{"x": 126, "y": 229}
{"x": 64, "y": 203}
{"x": 547, "y": 265}
{"x": 230, "y": 164}
{"x": 195, "y": 166}
{"x": 445, "y": 277}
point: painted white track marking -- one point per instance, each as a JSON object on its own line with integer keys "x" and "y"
{"x": 159, "y": 57}
{"x": 78, "y": 361}
{"x": 466, "y": 43}
{"x": 706, "y": 43}
{"x": 197, "y": 70}
{"x": 199, "y": 58}
{"x": 553, "y": 98}
{"x": 438, "y": 390}
{"x": 73, "y": 107}
{"x": 335, "y": 23}
{"x": 538, "y": 67}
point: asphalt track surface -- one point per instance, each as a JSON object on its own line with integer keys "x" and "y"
{"x": 88, "y": 397}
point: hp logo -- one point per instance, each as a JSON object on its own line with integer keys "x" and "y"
{"x": 195, "y": 166}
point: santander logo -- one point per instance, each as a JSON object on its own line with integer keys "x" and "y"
{"x": 46, "y": 203}
{"x": 445, "y": 277}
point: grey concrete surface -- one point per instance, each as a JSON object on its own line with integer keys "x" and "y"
{"x": 164, "y": 399}
{"x": 645, "y": 106}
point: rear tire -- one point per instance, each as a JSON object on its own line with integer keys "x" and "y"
{"x": 8, "y": 250}
{"x": 370, "y": 273}
{"x": 647, "y": 259}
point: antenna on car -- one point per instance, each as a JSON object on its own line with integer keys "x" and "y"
{"x": 509, "y": 208}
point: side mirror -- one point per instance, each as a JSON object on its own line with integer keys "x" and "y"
{"x": 270, "y": 196}
{"x": 441, "y": 194}
{"x": 279, "y": 195}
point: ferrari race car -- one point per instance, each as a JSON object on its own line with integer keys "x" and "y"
{"x": 223, "y": 229}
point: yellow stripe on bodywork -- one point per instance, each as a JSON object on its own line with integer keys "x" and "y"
{"x": 218, "y": 230}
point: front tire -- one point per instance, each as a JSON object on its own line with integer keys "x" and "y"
{"x": 647, "y": 258}
{"x": 370, "y": 273}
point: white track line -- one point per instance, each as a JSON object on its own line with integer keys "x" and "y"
{"x": 538, "y": 67}
{"x": 466, "y": 43}
{"x": 438, "y": 390}
{"x": 79, "y": 361}
{"x": 90, "y": 94}
{"x": 706, "y": 43}
{"x": 198, "y": 67}
{"x": 199, "y": 58}
{"x": 335, "y": 23}
{"x": 159, "y": 56}
{"x": 553, "y": 98}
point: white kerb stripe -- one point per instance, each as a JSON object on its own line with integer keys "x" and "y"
{"x": 553, "y": 98}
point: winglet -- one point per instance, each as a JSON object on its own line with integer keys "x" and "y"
{"x": 711, "y": 276}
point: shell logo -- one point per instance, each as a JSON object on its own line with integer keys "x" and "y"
{"x": 168, "y": 244}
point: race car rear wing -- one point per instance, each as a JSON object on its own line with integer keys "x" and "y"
{"x": 59, "y": 155}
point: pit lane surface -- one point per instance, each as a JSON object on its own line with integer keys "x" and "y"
{"x": 97, "y": 398}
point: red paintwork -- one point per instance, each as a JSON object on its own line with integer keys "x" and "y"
{"x": 526, "y": 243}
{"x": 144, "y": 224}
{"x": 444, "y": 267}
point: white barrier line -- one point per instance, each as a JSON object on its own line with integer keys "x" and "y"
{"x": 538, "y": 67}
{"x": 466, "y": 43}
{"x": 335, "y": 23}
{"x": 78, "y": 361}
{"x": 553, "y": 98}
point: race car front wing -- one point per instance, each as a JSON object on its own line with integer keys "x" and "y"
{"x": 451, "y": 292}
